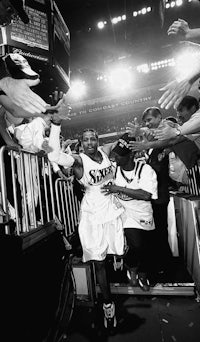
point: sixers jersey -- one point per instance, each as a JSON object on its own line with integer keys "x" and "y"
{"x": 95, "y": 175}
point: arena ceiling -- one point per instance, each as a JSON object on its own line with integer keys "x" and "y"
{"x": 139, "y": 40}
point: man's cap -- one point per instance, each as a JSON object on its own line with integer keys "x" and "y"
{"x": 18, "y": 67}
{"x": 19, "y": 8}
{"x": 122, "y": 146}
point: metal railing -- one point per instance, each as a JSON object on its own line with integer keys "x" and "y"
{"x": 68, "y": 205}
{"x": 31, "y": 195}
{"x": 193, "y": 187}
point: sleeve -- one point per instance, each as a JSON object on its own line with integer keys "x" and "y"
{"x": 55, "y": 167}
{"x": 57, "y": 155}
{"x": 148, "y": 181}
{"x": 36, "y": 127}
{"x": 192, "y": 125}
{"x": 30, "y": 135}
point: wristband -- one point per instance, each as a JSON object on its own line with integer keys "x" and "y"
{"x": 55, "y": 123}
{"x": 177, "y": 131}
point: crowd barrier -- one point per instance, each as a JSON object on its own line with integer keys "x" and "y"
{"x": 68, "y": 205}
{"x": 193, "y": 187}
{"x": 31, "y": 194}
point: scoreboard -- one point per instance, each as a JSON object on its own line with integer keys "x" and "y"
{"x": 44, "y": 42}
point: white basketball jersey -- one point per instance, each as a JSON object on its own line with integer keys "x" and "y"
{"x": 104, "y": 208}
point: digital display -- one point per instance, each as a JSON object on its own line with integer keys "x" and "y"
{"x": 34, "y": 34}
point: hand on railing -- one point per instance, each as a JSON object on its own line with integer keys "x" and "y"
{"x": 61, "y": 175}
{"x": 15, "y": 146}
{"x": 45, "y": 147}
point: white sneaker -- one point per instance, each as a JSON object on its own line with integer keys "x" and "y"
{"x": 132, "y": 276}
{"x": 110, "y": 320}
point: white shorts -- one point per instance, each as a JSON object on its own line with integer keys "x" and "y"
{"x": 98, "y": 240}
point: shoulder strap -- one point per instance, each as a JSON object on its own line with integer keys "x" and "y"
{"x": 138, "y": 168}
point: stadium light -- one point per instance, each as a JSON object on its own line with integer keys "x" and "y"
{"x": 143, "y": 68}
{"x": 114, "y": 20}
{"x": 179, "y": 3}
{"x": 120, "y": 79}
{"x": 78, "y": 89}
{"x": 100, "y": 25}
{"x": 144, "y": 10}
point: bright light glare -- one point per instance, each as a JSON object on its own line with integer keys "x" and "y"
{"x": 144, "y": 10}
{"x": 179, "y": 2}
{"x": 100, "y": 25}
{"x": 187, "y": 64}
{"x": 143, "y": 68}
{"x": 77, "y": 89}
{"x": 114, "y": 20}
{"x": 120, "y": 79}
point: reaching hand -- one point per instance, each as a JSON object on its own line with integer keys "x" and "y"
{"x": 61, "y": 175}
{"x": 165, "y": 132}
{"x": 174, "y": 93}
{"x": 179, "y": 27}
{"x": 61, "y": 110}
{"x": 66, "y": 143}
{"x": 20, "y": 93}
{"x": 133, "y": 129}
{"x": 137, "y": 146}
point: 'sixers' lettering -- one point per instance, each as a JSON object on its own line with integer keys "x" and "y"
{"x": 98, "y": 176}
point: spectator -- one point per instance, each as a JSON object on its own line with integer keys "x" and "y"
{"x": 177, "y": 143}
{"x": 190, "y": 126}
{"x": 31, "y": 137}
{"x": 159, "y": 161}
